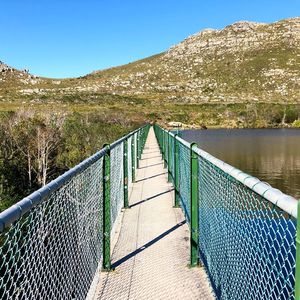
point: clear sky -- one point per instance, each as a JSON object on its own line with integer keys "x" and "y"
{"x": 68, "y": 38}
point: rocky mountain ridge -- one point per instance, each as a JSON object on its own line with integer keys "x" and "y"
{"x": 9, "y": 75}
{"x": 244, "y": 62}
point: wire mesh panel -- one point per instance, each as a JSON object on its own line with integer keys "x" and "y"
{"x": 129, "y": 161}
{"x": 246, "y": 243}
{"x": 116, "y": 182}
{"x": 171, "y": 158}
{"x": 166, "y": 147}
{"x": 135, "y": 148}
{"x": 53, "y": 251}
{"x": 184, "y": 179}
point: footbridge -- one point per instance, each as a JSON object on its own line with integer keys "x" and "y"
{"x": 151, "y": 216}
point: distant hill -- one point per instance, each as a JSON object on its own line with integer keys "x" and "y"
{"x": 245, "y": 61}
{"x": 11, "y": 76}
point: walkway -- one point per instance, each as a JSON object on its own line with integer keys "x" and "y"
{"x": 151, "y": 254}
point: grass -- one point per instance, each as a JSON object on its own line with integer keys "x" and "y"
{"x": 225, "y": 115}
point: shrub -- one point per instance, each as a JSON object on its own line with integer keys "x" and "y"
{"x": 296, "y": 124}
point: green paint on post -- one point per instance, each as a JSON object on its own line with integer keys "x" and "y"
{"x": 167, "y": 149}
{"x": 138, "y": 149}
{"x": 176, "y": 172}
{"x": 125, "y": 172}
{"x": 133, "y": 159}
{"x": 106, "y": 209}
{"x": 160, "y": 137}
{"x": 164, "y": 149}
{"x": 297, "y": 276}
{"x": 142, "y": 135}
{"x": 169, "y": 158}
{"x": 194, "y": 206}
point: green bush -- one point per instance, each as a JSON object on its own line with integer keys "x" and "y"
{"x": 296, "y": 124}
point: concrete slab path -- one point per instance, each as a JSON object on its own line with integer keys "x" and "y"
{"x": 151, "y": 256}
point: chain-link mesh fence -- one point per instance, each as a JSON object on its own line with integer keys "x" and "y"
{"x": 116, "y": 182}
{"x": 184, "y": 187}
{"x": 129, "y": 161}
{"x": 166, "y": 153}
{"x": 171, "y": 158}
{"x": 134, "y": 137}
{"x": 51, "y": 243}
{"x": 247, "y": 243}
{"x": 53, "y": 251}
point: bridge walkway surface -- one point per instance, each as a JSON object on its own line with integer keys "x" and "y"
{"x": 150, "y": 255}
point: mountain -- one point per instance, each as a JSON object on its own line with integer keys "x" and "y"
{"x": 245, "y": 63}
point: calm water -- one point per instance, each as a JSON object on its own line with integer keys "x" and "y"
{"x": 272, "y": 155}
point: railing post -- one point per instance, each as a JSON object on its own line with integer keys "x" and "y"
{"x": 297, "y": 275}
{"x": 194, "y": 206}
{"x": 158, "y": 135}
{"x": 133, "y": 159}
{"x": 106, "y": 209}
{"x": 169, "y": 156}
{"x": 164, "y": 149}
{"x": 125, "y": 172}
{"x": 137, "y": 149}
{"x": 142, "y": 136}
{"x": 176, "y": 171}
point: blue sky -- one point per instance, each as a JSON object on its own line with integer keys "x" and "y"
{"x": 68, "y": 38}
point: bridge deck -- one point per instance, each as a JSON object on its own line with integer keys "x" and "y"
{"x": 151, "y": 254}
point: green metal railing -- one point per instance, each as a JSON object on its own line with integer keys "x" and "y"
{"x": 243, "y": 231}
{"x": 53, "y": 242}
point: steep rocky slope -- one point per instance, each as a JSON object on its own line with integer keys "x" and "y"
{"x": 244, "y": 62}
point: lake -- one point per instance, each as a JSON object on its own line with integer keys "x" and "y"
{"x": 272, "y": 155}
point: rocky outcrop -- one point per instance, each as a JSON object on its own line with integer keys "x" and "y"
{"x": 244, "y": 62}
{"x": 236, "y": 38}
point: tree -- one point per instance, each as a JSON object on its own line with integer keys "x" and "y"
{"x": 36, "y": 137}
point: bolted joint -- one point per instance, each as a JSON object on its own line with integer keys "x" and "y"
{"x": 194, "y": 155}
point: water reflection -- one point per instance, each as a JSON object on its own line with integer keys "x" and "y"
{"x": 272, "y": 155}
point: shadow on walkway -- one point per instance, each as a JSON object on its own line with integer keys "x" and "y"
{"x": 151, "y": 157}
{"x": 151, "y": 152}
{"x": 150, "y": 198}
{"x": 150, "y": 177}
{"x": 147, "y": 245}
{"x": 151, "y": 165}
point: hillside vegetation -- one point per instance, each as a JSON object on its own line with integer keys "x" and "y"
{"x": 217, "y": 78}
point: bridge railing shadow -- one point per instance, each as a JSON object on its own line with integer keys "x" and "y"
{"x": 151, "y": 165}
{"x": 150, "y": 177}
{"x": 147, "y": 245}
{"x": 150, "y": 198}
